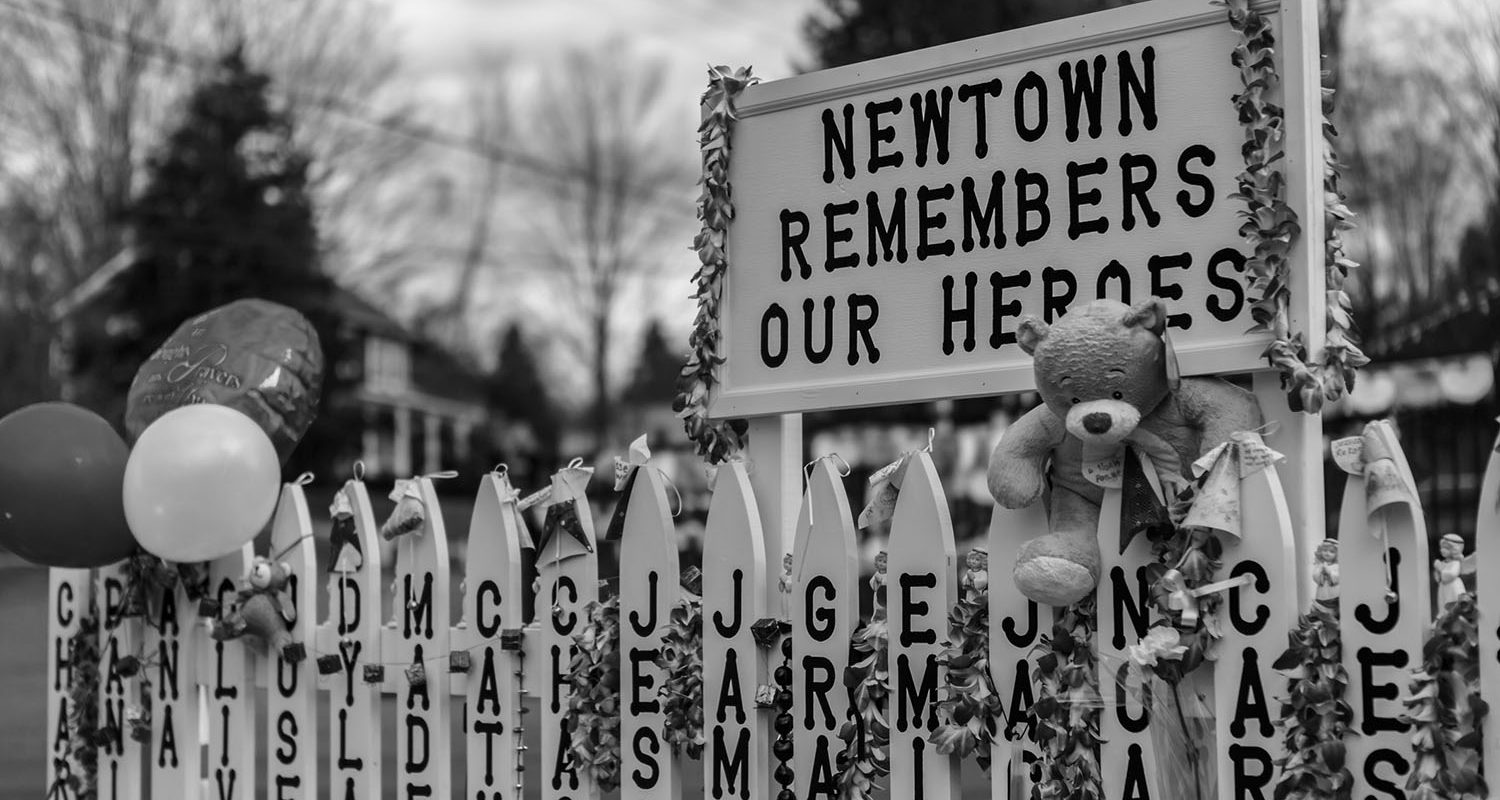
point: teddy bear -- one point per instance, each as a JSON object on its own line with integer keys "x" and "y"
{"x": 1107, "y": 378}
{"x": 265, "y": 610}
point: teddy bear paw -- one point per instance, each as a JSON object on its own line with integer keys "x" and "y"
{"x": 1057, "y": 570}
{"x": 1016, "y": 486}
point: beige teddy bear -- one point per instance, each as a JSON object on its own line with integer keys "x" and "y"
{"x": 1107, "y": 378}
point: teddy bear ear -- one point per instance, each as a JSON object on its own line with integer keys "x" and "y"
{"x": 1150, "y": 314}
{"x": 1030, "y": 333}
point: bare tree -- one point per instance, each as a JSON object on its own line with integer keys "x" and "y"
{"x": 1418, "y": 131}
{"x": 610, "y": 202}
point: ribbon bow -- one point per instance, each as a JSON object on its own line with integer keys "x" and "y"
{"x": 510, "y": 503}
{"x": 885, "y": 486}
{"x": 410, "y": 512}
{"x": 1181, "y": 598}
{"x": 568, "y": 486}
{"x": 343, "y": 538}
{"x": 626, "y": 470}
{"x": 1372, "y": 456}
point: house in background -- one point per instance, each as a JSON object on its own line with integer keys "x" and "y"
{"x": 419, "y": 408}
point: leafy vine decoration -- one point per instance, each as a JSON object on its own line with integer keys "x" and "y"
{"x": 1064, "y": 719}
{"x": 865, "y": 758}
{"x": 1445, "y": 709}
{"x": 970, "y": 713}
{"x": 715, "y": 442}
{"x": 681, "y": 692}
{"x": 1315, "y": 718}
{"x": 1271, "y": 227}
{"x": 593, "y": 713}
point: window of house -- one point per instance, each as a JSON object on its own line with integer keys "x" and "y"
{"x": 387, "y": 364}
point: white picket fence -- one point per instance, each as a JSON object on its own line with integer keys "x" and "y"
{"x": 506, "y": 674}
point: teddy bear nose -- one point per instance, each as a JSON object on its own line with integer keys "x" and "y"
{"x": 1096, "y": 422}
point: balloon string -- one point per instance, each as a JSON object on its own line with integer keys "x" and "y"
{"x": 289, "y": 547}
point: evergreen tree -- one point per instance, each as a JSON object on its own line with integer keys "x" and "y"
{"x": 655, "y": 377}
{"x": 225, "y": 215}
{"x": 518, "y": 392}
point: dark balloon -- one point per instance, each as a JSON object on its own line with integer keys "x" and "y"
{"x": 257, "y": 357}
{"x": 61, "y": 472}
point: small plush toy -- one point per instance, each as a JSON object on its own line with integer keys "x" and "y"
{"x": 1107, "y": 379}
{"x": 265, "y": 610}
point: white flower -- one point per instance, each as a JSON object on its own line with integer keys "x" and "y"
{"x": 1159, "y": 642}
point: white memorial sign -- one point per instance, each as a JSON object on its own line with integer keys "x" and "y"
{"x": 895, "y": 219}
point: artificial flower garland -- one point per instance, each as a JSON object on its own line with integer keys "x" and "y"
{"x": 865, "y": 758}
{"x": 593, "y": 714}
{"x": 1315, "y": 718}
{"x": 1272, "y": 228}
{"x": 970, "y": 714}
{"x": 715, "y": 442}
{"x": 1064, "y": 719}
{"x": 681, "y": 691}
{"x": 1447, "y": 757}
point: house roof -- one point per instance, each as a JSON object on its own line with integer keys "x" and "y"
{"x": 435, "y": 370}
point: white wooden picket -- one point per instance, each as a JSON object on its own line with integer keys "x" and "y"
{"x": 418, "y": 649}
{"x": 291, "y": 735}
{"x": 1382, "y": 640}
{"x": 921, "y": 589}
{"x": 119, "y": 764}
{"x": 568, "y": 580}
{"x": 1487, "y": 563}
{"x": 825, "y": 612}
{"x": 1016, "y": 625}
{"x": 69, "y": 596}
{"x": 1127, "y": 754}
{"x": 736, "y": 756}
{"x": 228, "y": 671}
{"x": 351, "y": 634}
{"x": 649, "y": 588}
{"x": 172, "y": 753}
{"x": 1255, "y": 620}
{"x": 492, "y": 610}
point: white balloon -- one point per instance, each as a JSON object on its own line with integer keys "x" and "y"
{"x": 202, "y": 480}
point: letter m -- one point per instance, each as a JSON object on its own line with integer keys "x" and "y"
{"x": 420, "y": 608}
{"x": 728, "y": 764}
{"x": 907, "y": 691}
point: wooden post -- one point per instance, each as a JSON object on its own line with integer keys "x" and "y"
{"x": 228, "y": 673}
{"x": 492, "y": 605}
{"x": 922, "y": 590}
{"x": 1127, "y": 756}
{"x": 119, "y": 765}
{"x": 775, "y": 473}
{"x": 1256, "y": 619}
{"x": 825, "y": 611}
{"x": 352, "y": 634}
{"x": 568, "y": 576}
{"x": 69, "y": 601}
{"x": 736, "y": 757}
{"x": 422, "y": 707}
{"x": 1300, "y": 435}
{"x": 1382, "y": 640}
{"x": 649, "y": 588}
{"x": 173, "y": 751}
{"x": 291, "y": 736}
{"x": 1016, "y": 622}
{"x": 1487, "y": 597}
